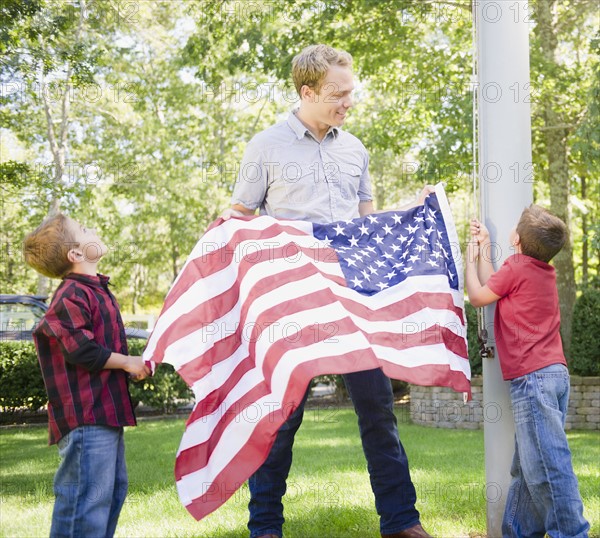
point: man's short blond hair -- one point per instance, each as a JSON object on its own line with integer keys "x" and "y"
{"x": 46, "y": 249}
{"x": 310, "y": 66}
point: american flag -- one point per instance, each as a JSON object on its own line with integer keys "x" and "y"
{"x": 264, "y": 305}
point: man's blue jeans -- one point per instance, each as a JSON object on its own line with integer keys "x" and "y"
{"x": 543, "y": 495}
{"x": 91, "y": 483}
{"x": 395, "y": 495}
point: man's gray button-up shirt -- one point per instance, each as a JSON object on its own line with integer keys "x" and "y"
{"x": 288, "y": 174}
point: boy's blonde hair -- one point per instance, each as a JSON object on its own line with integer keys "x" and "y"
{"x": 542, "y": 234}
{"x": 46, "y": 249}
{"x": 310, "y": 66}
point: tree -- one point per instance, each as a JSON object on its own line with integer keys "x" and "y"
{"x": 134, "y": 116}
{"x": 412, "y": 59}
{"x": 561, "y": 87}
{"x": 48, "y": 56}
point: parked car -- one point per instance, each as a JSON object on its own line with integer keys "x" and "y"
{"x": 19, "y": 314}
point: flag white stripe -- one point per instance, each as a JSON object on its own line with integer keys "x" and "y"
{"x": 218, "y": 374}
{"x": 237, "y": 433}
{"x": 219, "y": 236}
{"x": 263, "y": 344}
{"x": 423, "y": 356}
{"x": 298, "y": 322}
{"x": 276, "y": 333}
{"x": 219, "y": 282}
{"x": 193, "y": 345}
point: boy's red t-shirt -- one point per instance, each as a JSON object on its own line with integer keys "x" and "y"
{"x": 527, "y": 319}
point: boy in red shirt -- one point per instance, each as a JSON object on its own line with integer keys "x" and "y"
{"x": 543, "y": 495}
{"x": 82, "y": 351}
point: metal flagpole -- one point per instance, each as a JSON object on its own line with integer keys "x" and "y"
{"x": 505, "y": 180}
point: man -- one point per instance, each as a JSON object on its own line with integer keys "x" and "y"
{"x": 307, "y": 168}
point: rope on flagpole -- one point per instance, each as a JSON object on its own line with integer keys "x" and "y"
{"x": 482, "y": 334}
{"x": 475, "y": 103}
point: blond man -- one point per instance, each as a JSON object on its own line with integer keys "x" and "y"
{"x": 308, "y": 168}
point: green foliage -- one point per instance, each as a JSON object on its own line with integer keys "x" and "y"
{"x": 20, "y": 378}
{"x": 585, "y": 346}
{"x": 23, "y": 386}
{"x": 473, "y": 339}
{"x": 161, "y": 101}
{"x": 162, "y": 391}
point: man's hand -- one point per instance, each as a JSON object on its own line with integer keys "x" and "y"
{"x": 427, "y": 190}
{"x": 419, "y": 200}
{"x": 230, "y": 212}
{"x": 236, "y": 210}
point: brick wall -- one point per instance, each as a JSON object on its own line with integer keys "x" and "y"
{"x": 441, "y": 407}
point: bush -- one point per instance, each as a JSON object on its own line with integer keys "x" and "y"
{"x": 585, "y": 338}
{"x": 20, "y": 378}
{"x": 163, "y": 390}
{"x": 473, "y": 339}
{"x": 23, "y": 386}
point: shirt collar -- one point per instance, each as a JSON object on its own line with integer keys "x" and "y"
{"x": 300, "y": 129}
{"x": 96, "y": 280}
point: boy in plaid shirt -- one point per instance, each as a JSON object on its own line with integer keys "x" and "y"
{"x": 82, "y": 351}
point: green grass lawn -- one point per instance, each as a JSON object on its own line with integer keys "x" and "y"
{"x": 328, "y": 490}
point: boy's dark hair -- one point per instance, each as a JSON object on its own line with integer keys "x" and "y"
{"x": 542, "y": 234}
{"x": 46, "y": 249}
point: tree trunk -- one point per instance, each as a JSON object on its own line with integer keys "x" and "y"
{"x": 555, "y": 138}
{"x": 558, "y": 177}
{"x": 585, "y": 257}
{"x": 174, "y": 258}
{"x": 58, "y": 141}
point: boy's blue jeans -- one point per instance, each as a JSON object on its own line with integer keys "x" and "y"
{"x": 91, "y": 483}
{"x": 543, "y": 495}
{"x": 387, "y": 463}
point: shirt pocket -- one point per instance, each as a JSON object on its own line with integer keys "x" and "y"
{"x": 349, "y": 181}
{"x": 299, "y": 180}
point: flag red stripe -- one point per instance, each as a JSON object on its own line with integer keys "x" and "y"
{"x": 244, "y": 463}
{"x": 431, "y": 335}
{"x": 195, "y": 455}
{"x": 438, "y": 375}
{"x": 215, "y": 307}
{"x": 222, "y": 349}
{"x": 267, "y": 426}
{"x": 217, "y": 260}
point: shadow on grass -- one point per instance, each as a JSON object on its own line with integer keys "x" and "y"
{"x": 36, "y": 488}
{"x": 319, "y": 522}
{"x": 334, "y": 521}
